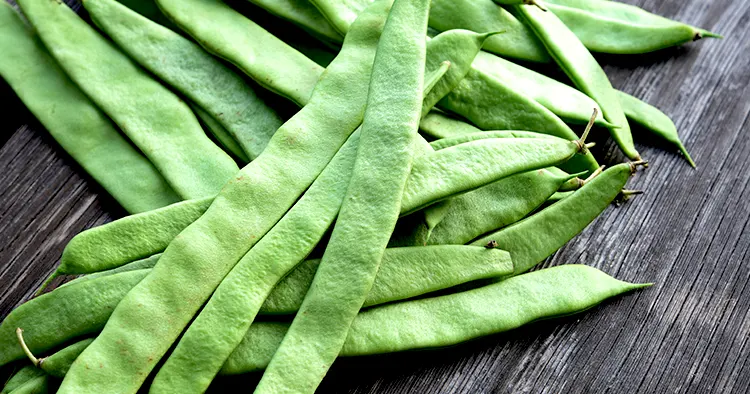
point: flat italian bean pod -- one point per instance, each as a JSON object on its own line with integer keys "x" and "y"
{"x": 37, "y": 385}
{"x": 535, "y": 238}
{"x": 23, "y": 375}
{"x": 302, "y": 13}
{"x": 451, "y": 319}
{"x": 469, "y": 171}
{"x": 654, "y": 121}
{"x": 485, "y": 135}
{"x": 193, "y": 72}
{"x": 495, "y": 206}
{"x": 245, "y": 210}
{"x": 58, "y": 363}
{"x": 154, "y": 118}
{"x": 128, "y": 239}
{"x": 559, "y": 196}
{"x": 491, "y": 105}
{"x": 75, "y": 122}
{"x": 229, "y": 35}
{"x": 581, "y": 67}
{"x": 146, "y": 263}
{"x": 517, "y": 41}
{"x": 613, "y": 27}
{"x": 438, "y": 125}
{"x": 369, "y": 211}
{"x": 564, "y": 101}
{"x": 459, "y": 47}
{"x": 437, "y": 267}
{"x": 66, "y": 313}
{"x": 220, "y": 134}
{"x": 568, "y": 103}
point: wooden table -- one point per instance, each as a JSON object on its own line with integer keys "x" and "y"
{"x": 688, "y": 234}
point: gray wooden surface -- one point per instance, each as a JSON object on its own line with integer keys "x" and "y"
{"x": 688, "y": 234}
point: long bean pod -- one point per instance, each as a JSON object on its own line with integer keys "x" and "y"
{"x": 154, "y": 118}
{"x": 21, "y": 376}
{"x": 247, "y": 207}
{"x": 535, "y": 238}
{"x": 614, "y": 27}
{"x": 193, "y": 72}
{"x": 353, "y": 255}
{"x": 222, "y": 136}
{"x": 581, "y": 67}
{"x": 229, "y": 35}
{"x": 75, "y": 122}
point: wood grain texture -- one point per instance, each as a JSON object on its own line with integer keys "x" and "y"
{"x": 689, "y": 234}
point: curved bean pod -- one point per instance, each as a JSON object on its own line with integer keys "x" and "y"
{"x": 154, "y": 118}
{"x": 581, "y": 67}
{"x": 535, "y": 238}
{"x": 193, "y": 72}
{"x": 491, "y": 105}
{"x": 495, "y": 206}
{"x": 146, "y": 263}
{"x": 245, "y": 210}
{"x": 654, "y": 121}
{"x": 75, "y": 122}
{"x": 53, "y": 318}
{"x": 229, "y": 35}
{"x": 370, "y": 209}
{"x": 302, "y": 13}
{"x": 613, "y": 27}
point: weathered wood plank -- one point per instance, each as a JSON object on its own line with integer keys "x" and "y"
{"x": 689, "y": 234}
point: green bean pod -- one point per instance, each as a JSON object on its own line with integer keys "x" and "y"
{"x": 128, "y": 239}
{"x": 437, "y": 267}
{"x": 23, "y": 375}
{"x": 221, "y": 134}
{"x": 147, "y": 263}
{"x": 154, "y": 118}
{"x": 66, "y": 313}
{"x": 37, "y": 385}
{"x": 451, "y": 319}
{"x": 568, "y": 103}
{"x": 468, "y": 172}
{"x": 75, "y": 122}
{"x": 517, "y": 40}
{"x": 491, "y": 105}
{"x": 558, "y": 196}
{"x": 653, "y": 120}
{"x": 193, "y": 72}
{"x": 495, "y": 206}
{"x": 369, "y": 211}
{"x": 540, "y": 235}
{"x": 613, "y": 27}
{"x": 459, "y": 47}
{"x": 438, "y": 125}
{"x": 581, "y": 67}
{"x": 302, "y": 13}
{"x": 486, "y": 135}
{"x": 229, "y": 35}
{"x": 564, "y": 101}
{"x": 245, "y": 210}
{"x": 59, "y": 363}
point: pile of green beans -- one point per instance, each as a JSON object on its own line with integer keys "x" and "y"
{"x": 394, "y": 198}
